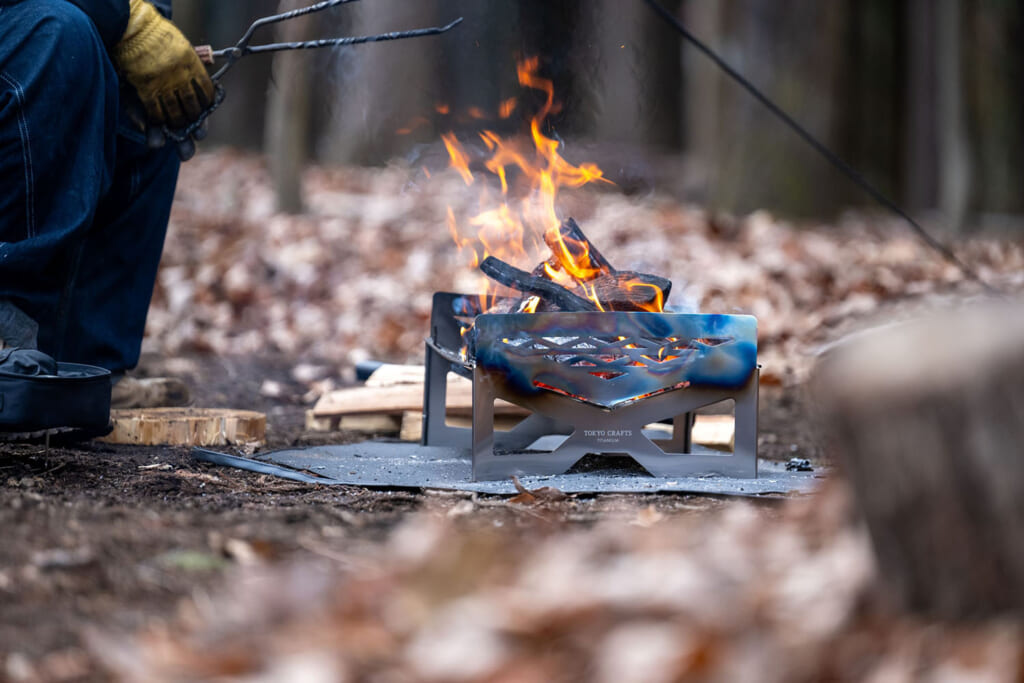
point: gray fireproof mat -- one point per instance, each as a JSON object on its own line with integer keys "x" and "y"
{"x": 389, "y": 464}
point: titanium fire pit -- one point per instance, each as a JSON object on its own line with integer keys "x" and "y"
{"x": 597, "y": 377}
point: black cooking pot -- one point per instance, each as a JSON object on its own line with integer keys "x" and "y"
{"x": 57, "y": 395}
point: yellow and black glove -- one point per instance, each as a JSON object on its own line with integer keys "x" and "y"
{"x": 161, "y": 64}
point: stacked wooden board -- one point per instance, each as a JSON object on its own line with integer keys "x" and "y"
{"x": 391, "y": 403}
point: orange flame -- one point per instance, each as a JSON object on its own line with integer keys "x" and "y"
{"x": 460, "y": 160}
{"x": 507, "y": 107}
{"x": 656, "y": 306}
{"x": 573, "y": 256}
{"x": 530, "y": 173}
{"x": 530, "y": 305}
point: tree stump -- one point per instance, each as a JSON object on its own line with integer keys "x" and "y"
{"x": 187, "y": 427}
{"x": 927, "y": 421}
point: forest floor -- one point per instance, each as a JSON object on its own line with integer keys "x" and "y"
{"x": 144, "y": 564}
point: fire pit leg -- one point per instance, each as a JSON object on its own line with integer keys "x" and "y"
{"x": 486, "y": 463}
{"x": 436, "y": 431}
{"x": 483, "y": 419}
{"x": 745, "y": 440}
{"x": 682, "y": 434}
{"x": 675, "y": 457}
{"x": 435, "y": 395}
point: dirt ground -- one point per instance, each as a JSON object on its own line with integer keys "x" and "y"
{"x": 100, "y": 537}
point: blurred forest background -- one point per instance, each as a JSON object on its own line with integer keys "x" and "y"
{"x": 923, "y": 96}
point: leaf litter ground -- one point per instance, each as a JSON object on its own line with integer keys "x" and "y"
{"x": 145, "y": 564}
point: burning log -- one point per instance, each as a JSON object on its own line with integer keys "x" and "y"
{"x": 550, "y": 291}
{"x": 600, "y": 285}
{"x": 575, "y": 253}
{"x": 626, "y": 290}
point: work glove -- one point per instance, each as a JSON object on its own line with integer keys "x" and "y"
{"x": 160, "y": 63}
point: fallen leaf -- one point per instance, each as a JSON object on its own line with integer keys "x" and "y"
{"x": 544, "y": 494}
{"x": 647, "y": 517}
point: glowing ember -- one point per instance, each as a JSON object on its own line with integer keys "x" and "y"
{"x": 584, "y": 399}
{"x": 530, "y": 305}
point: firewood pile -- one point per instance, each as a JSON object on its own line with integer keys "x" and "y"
{"x": 592, "y": 283}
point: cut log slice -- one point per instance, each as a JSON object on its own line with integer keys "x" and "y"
{"x": 187, "y": 427}
{"x": 398, "y": 399}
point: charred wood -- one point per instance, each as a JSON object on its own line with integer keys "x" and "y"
{"x": 542, "y": 268}
{"x": 574, "y": 252}
{"x": 628, "y": 291}
{"x": 547, "y": 290}
{"x": 595, "y": 279}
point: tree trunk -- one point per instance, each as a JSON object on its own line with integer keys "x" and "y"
{"x": 376, "y": 90}
{"x": 240, "y": 121}
{"x": 954, "y": 172}
{"x": 919, "y": 154}
{"x": 703, "y": 100}
{"x": 288, "y": 116}
{"x": 995, "y": 59}
{"x": 640, "y": 93}
{"x": 927, "y": 420}
{"x": 787, "y": 50}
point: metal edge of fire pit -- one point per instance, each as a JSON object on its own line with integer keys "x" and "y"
{"x": 572, "y": 351}
{"x": 384, "y": 464}
{"x": 599, "y": 376}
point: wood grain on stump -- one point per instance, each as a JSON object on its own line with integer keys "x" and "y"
{"x": 927, "y": 421}
{"x": 187, "y": 427}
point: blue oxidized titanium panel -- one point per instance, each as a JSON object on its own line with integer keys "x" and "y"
{"x": 611, "y": 359}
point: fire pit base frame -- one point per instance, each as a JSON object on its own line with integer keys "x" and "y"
{"x": 496, "y": 456}
{"x": 436, "y": 431}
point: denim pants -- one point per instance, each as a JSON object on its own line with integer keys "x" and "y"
{"x": 83, "y": 202}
